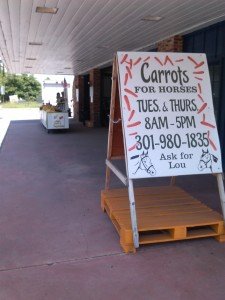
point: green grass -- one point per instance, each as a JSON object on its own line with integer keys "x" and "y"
{"x": 27, "y": 104}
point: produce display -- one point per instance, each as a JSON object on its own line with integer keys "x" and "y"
{"x": 50, "y": 108}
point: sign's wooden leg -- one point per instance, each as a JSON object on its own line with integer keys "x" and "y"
{"x": 107, "y": 178}
{"x": 172, "y": 180}
{"x": 221, "y": 192}
{"x": 133, "y": 213}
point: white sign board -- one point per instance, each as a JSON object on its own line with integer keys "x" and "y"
{"x": 13, "y": 99}
{"x": 77, "y": 95}
{"x": 55, "y": 120}
{"x": 2, "y": 90}
{"x": 167, "y": 112}
{"x": 91, "y": 92}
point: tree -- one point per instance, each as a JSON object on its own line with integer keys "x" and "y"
{"x": 2, "y": 79}
{"x": 24, "y": 86}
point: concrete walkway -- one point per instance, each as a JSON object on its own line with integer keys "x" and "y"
{"x": 57, "y": 244}
{"x": 4, "y": 125}
{"x": 9, "y": 114}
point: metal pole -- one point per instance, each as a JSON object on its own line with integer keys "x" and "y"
{"x": 221, "y": 192}
{"x": 133, "y": 213}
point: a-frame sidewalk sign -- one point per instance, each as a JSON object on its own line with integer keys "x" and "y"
{"x": 162, "y": 123}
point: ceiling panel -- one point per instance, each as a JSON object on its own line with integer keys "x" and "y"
{"x": 86, "y": 33}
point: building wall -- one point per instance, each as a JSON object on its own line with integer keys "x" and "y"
{"x": 95, "y": 84}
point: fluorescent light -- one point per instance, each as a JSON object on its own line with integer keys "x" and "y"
{"x": 30, "y": 58}
{"x": 35, "y": 44}
{"x": 28, "y": 67}
{"x": 46, "y": 10}
{"x": 152, "y": 18}
{"x": 103, "y": 47}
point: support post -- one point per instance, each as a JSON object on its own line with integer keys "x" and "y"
{"x": 133, "y": 213}
{"x": 107, "y": 178}
{"x": 221, "y": 192}
{"x": 110, "y": 134}
{"x": 172, "y": 180}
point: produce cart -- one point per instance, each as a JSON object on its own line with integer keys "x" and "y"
{"x": 52, "y": 119}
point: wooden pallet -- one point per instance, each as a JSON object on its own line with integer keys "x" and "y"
{"x": 164, "y": 214}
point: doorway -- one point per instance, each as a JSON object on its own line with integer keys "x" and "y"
{"x": 106, "y": 82}
{"x": 84, "y": 111}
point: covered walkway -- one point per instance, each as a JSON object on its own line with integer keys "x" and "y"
{"x": 56, "y": 243}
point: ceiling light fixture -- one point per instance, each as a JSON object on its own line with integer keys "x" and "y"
{"x": 152, "y": 18}
{"x": 31, "y": 58}
{"x": 35, "y": 44}
{"x": 46, "y": 10}
{"x": 28, "y": 67}
{"x": 103, "y": 47}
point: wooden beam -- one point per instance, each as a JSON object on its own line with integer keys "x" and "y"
{"x": 117, "y": 172}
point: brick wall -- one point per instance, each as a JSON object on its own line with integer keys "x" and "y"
{"x": 78, "y": 106}
{"x": 95, "y": 106}
{"x": 81, "y": 97}
{"x": 172, "y": 44}
{"x": 75, "y": 102}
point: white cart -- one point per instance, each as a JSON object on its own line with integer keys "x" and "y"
{"x": 54, "y": 120}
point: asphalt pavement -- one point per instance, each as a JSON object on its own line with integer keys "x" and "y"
{"x": 57, "y": 244}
